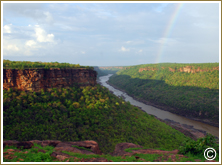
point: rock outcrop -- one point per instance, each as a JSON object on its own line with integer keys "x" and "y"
{"x": 44, "y": 143}
{"x": 188, "y": 69}
{"x": 23, "y": 144}
{"x": 59, "y": 146}
{"x": 147, "y": 68}
{"x": 37, "y": 79}
{"x": 78, "y": 147}
{"x": 120, "y": 149}
{"x": 73, "y": 147}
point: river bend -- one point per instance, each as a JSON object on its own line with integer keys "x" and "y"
{"x": 158, "y": 112}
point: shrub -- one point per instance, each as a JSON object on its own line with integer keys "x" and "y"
{"x": 199, "y": 146}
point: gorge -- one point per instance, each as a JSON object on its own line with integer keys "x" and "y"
{"x": 164, "y": 115}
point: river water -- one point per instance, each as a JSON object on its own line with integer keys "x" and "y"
{"x": 158, "y": 112}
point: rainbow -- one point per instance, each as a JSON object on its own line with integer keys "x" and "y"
{"x": 168, "y": 31}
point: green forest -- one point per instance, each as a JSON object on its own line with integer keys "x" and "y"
{"x": 190, "y": 89}
{"x": 86, "y": 113}
{"x": 110, "y": 70}
{"x": 7, "y": 64}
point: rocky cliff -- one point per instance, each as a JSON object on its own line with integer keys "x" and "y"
{"x": 187, "y": 69}
{"x": 37, "y": 79}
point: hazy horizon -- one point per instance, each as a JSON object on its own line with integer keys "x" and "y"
{"x": 110, "y": 33}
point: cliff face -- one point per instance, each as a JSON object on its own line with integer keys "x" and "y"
{"x": 187, "y": 69}
{"x": 37, "y": 79}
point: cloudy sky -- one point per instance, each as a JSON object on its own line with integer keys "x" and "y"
{"x": 111, "y": 34}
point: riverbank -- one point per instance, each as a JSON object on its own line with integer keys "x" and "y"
{"x": 167, "y": 108}
{"x": 187, "y": 130}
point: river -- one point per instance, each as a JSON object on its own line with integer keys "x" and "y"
{"x": 158, "y": 112}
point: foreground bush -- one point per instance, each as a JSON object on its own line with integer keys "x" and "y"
{"x": 198, "y": 147}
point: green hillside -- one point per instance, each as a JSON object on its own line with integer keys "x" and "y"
{"x": 86, "y": 113}
{"x": 187, "y": 89}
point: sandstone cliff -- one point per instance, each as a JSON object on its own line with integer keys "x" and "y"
{"x": 187, "y": 69}
{"x": 37, "y": 79}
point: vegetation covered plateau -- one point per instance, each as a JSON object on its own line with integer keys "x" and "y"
{"x": 7, "y": 64}
{"x": 190, "y": 90}
{"x": 86, "y": 113}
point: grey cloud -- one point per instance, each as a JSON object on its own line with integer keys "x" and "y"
{"x": 35, "y": 11}
{"x": 21, "y": 7}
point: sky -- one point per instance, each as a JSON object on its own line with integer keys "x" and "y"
{"x": 111, "y": 34}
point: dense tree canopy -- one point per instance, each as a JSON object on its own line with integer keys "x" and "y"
{"x": 7, "y": 64}
{"x": 86, "y": 113}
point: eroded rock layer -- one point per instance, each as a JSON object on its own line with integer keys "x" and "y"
{"x": 37, "y": 79}
{"x": 187, "y": 69}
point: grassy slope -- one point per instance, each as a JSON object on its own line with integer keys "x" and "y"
{"x": 88, "y": 113}
{"x": 196, "y": 94}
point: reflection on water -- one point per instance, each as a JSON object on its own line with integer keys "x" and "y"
{"x": 158, "y": 112}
